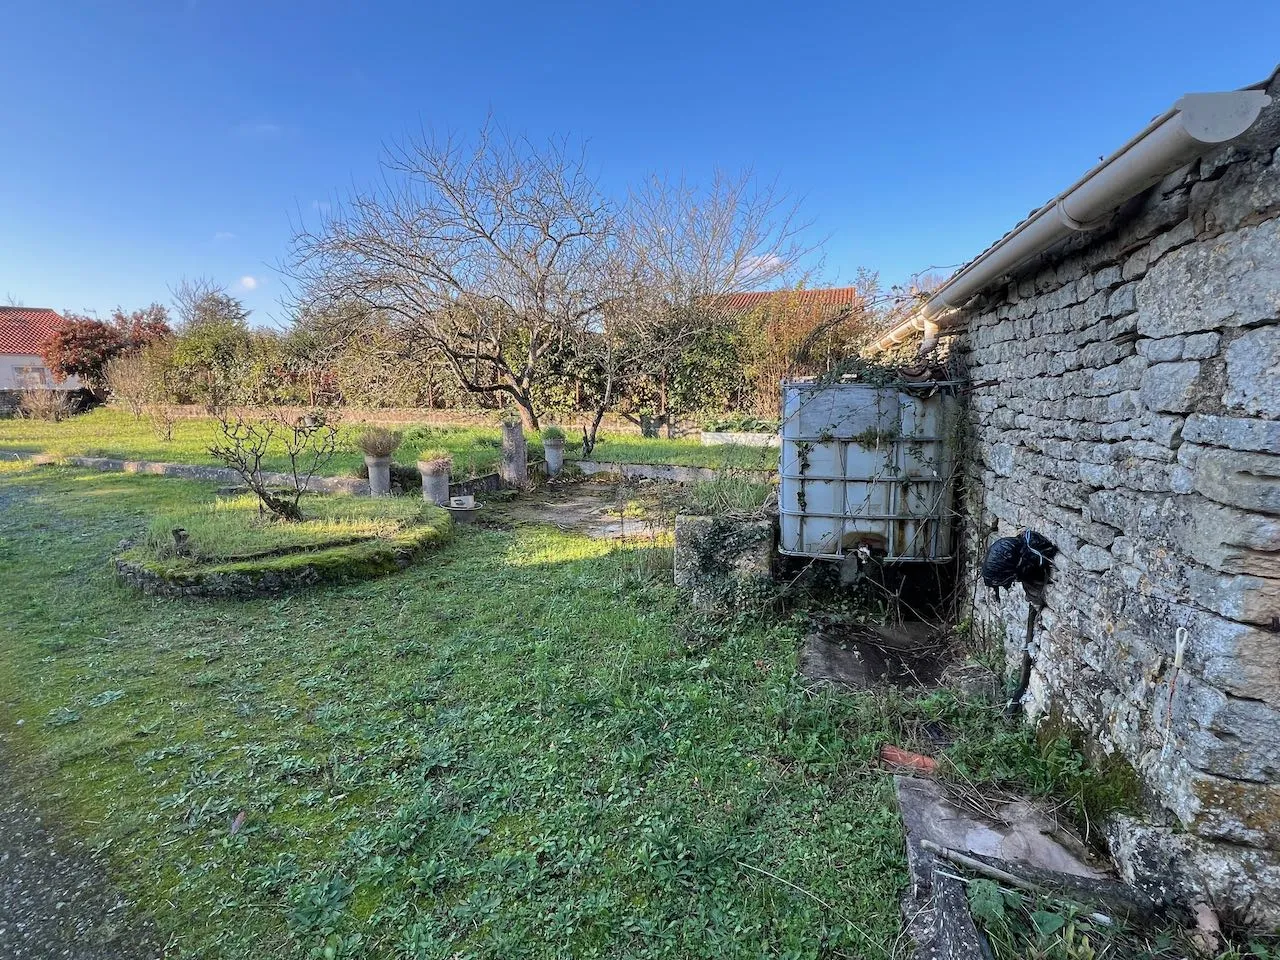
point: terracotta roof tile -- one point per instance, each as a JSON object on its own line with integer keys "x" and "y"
{"x": 25, "y": 329}
{"x": 829, "y": 298}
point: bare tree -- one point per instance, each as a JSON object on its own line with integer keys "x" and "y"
{"x": 492, "y": 254}
{"x": 683, "y": 251}
{"x": 245, "y": 440}
{"x": 127, "y": 380}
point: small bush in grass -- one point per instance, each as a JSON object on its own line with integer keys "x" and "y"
{"x": 552, "y": 433}
{"x": 52, "y": 405}
{"x": 378, "y": 441}
{"x": 729, "y": 493}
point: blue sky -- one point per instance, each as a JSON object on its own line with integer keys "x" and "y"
{"x": 147, "y": 141}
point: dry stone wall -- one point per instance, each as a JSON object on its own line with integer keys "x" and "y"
{"x": 1126, "y": 403}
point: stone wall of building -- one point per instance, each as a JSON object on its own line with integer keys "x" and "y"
{"x": 1126, "y": 403}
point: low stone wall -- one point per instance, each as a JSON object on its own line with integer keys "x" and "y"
{"x": 272, "y": 575}
{"x": 223, "y": 586}
{"x": 665, "y": 471}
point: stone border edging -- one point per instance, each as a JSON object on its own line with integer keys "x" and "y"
{"x": 375, "y": 560}
{"x": 191, "y": 471}
{"x": 740, "y": 438}
{"x": 666, "y": 471}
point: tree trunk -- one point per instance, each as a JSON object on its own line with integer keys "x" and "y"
{"x": 589, "y": 435}
{"x": 528, "y": 417}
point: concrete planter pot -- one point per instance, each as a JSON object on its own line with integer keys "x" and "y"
{"x": 514, "y": 465}
{"x": 435, "y": 480}
{"x": 554, "y": 450}
{"x": 379, "y": 475}
{"x": 463, "y": 509}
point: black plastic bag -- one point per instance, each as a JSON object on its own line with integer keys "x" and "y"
{"x": 1025, "y": 558}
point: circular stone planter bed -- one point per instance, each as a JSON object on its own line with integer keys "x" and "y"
{"x": 225, "y": 550}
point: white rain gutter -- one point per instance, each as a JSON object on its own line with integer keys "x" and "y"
{"x": 1195, "y": 124}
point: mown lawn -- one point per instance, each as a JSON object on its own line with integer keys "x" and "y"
{"x": 110, "y": 432}
{"x": 686, "y": 452}
{"x": 520, "y": 748}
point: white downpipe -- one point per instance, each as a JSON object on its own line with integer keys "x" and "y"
{"x": 1196, "y": 123}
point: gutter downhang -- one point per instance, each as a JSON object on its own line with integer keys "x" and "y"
{"x": 1195, "y": 124}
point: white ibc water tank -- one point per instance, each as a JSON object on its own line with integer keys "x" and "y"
{"x": 867, "y": 466}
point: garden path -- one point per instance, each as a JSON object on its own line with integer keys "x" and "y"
{"x": 55, "y": 898}
{"x": 595, "y": 509}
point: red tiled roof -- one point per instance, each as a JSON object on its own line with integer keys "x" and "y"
{"x": 25, "y": 329}
{"x": 830, "y": 298}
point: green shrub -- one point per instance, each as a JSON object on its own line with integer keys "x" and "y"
{"x": 742, "y": 423}
{"x": 553, "y": 433}
{"x": 729, "y": 492}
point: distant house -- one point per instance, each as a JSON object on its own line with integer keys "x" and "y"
{"x": 23, "y": 333}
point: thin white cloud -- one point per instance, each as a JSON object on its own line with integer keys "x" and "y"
{"x": 223, "y": 235}
{"x": 264, "y": 131}
{"x": 248, "y": 282}
{"x": 759, "y": 268}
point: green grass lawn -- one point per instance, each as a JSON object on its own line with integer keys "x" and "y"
{"x": 110, "y": 432}
{"x": 686, "y": 452}
{"x": 233, "y": 528}
{"x": 511, "y": 750}
{"x": 520, "y": 747}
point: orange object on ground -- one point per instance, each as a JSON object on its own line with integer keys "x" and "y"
{"x": 896, "y": 756}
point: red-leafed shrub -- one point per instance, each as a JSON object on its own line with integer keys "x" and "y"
{"x": 83, "y": 346}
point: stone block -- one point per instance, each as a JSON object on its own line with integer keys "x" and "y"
{"x": 1093, "y": 558}
{"x": 1163, "y": 350}
{"x": 1112, "y": 507}
{"x": 1233, "y": 280}
{"x": 725, "y": 563}
{"x": 1223, "y": 735}
{"x": 1125, "y": 375}
{"x": 1170, "y": 864}
{"x": 1253, "y": 372}
{"x": 1238, "y": 433}
{"x": 1248, "y": 599}
{"x": 1200, "y": 346}
{"x": 1250, "y": 481}
{"x": 1236, "y": 811}
{"x": 1107, "y": 278}
{"x": 1246, "y": 193}
{"x": 1232, "y": 541}
{"x": 1136, "y": 265}
{"x": 1170, "y": 386}
{"x": 1123, "y": 300}
{"x": 1182, "y": 479}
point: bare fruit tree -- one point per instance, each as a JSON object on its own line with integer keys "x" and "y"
{"x": 126, "y": 378}
{"x": 246, "y": 439}
{"x": 684, "y": 249}
{"x": 489, "y": 254}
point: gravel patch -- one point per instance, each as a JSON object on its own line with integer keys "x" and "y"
{"x": 56, "y": 900}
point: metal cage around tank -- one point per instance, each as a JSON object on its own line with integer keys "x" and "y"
{"x": 868, "y": 467}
